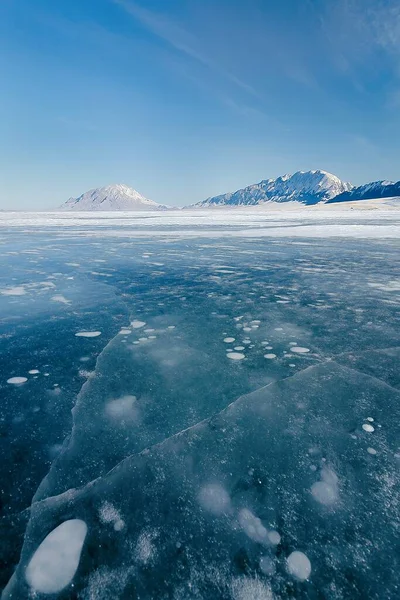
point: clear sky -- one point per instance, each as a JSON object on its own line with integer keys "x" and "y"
{"x": 183, "y": 99}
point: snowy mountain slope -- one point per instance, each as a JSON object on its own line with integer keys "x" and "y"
{"x": 112, "y": 197}
{"x": 376, "y": 189}
{"x": 308, "y": 187}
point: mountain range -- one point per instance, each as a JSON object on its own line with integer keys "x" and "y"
{"x": 306, "y": 187}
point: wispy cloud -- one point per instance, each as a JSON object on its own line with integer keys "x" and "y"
{"x": 181, "y": 40}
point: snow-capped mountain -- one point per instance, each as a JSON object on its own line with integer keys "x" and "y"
{"x": 308, "y": 187}
{"x": 112, "y": 197}
{"x": 376, "y": 189}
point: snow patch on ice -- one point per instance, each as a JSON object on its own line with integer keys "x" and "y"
{"x": 109, "y": 514}
{"x": 60, "y": 298}
{"x": 17, "y": 290}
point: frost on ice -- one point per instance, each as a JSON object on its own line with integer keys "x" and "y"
{"x": 55, "y": 562}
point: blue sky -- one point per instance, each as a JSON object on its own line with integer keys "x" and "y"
{"x": 183, "y": 99}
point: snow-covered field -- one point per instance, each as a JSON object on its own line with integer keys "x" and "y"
{"x": 234, "y": 380}
{"x": 366, "y": 219}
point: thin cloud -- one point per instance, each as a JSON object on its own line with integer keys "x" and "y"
{"x": 180, "y": 39}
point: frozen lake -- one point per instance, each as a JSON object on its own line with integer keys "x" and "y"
{"x": 234, "y": 382}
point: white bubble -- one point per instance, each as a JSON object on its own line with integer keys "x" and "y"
{"x": 326, "y": 491}
{"x": 137, "y": 324}
{"x": 267, "y": 565}
{"x": 368, "y": 427}
{"x": 252, "y": 526}
{"x": 17, "y": 380}
{"x": 323, "y": 492}
{"x": 214, "y": 498}
{"x": 33, "y": 372}
{"x": 88, "y": 334}
{"x": 119, "y": 525}
{"x": 235, "y": 356}
{"x": 54, "y": 564}
{"x": 229, "y": 340}
{"x": 122, "y": 408}
{"x": 299, "y": 349}
{"x": 270, "y": 356}
{"x": 371, "y": 451}
{"x": 274, "y": 537}
{"x": 299, "y": 565}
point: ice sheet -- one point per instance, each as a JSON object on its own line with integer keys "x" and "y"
{"x": 177, "y": 322}
{"x": 202, "y": 509}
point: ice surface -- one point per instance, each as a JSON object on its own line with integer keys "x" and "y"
{"x": 215, "y": 493}
{"x": 199, "y": 466}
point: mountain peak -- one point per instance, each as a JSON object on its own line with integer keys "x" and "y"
{"x": 113, "y": 197}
